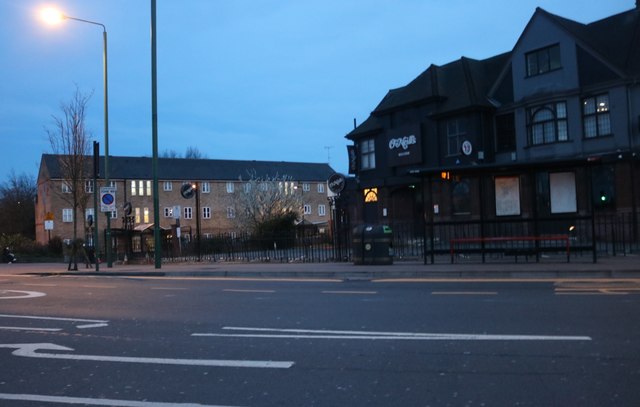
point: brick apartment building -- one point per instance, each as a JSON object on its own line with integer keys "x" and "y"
{"x": 219, "y": 182}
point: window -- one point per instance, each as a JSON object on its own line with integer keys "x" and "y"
{"x": 206, "y": 187}
{"x": 206, "y": 213}
{"x": 137, "y": 215}
{"x": 543, "y": 60}
{"x": 149, "y": 188}
{"x": 167, "y": 186}
{"x": 547, "y": 123}
{"x": 505, "y": 132}
{"x": 146, "y": 215}
{"x": 65, "y": 188}
{"x": 306, "y": 187}
{"x": 67, "y": 215}
{"x": 114, "y": 214}
{"x": 320, "y": 188}
{"x": 113, "y": 184}
{"x": 230, "y": 187}
{"x": 456, "y": 134}
{"x": 322, "y": 210}
{"x": 247, "y": 188}
{"x": 461, "y": 197}
{"x": 231, "y": 212}
{"x": 168, "y": 212}
{"x": 306, "y": 209}
{"x": 371, "y": 194}
{"x": 133, "y": 189}
{"x": 141, "y": 188}
{"x": 367, "y": 154}
{"x": 89, "y": 212}
{"x": 88, "y": 186}
{"x": 188, "y": 212}
{"x": 595, "y": 115}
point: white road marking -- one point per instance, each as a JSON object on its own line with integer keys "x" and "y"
{"x": 30, "y": 350}
{"x": 6, "y": 294}
{"x": 99, "y": 286}
{"x": 248, "y": 291}
{"x": 87, "y": 326}
{"x": 351, "y": 292}
{"x": 464, "y": 293}
{"x": 21, "y": 328}
{"x": 169, "y": 288}
{"x": 368, "y": 335}
{"x": 96, "y": 402}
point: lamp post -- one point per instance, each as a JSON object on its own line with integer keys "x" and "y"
{"x": 53, "y": 16}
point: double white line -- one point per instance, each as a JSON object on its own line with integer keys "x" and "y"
{"x": 275, "y": 333}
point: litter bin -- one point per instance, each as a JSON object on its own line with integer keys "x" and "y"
{"x": 372, "y": 244}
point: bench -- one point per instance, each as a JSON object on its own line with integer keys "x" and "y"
{"x": 514, "y": 251}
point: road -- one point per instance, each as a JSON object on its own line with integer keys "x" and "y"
{"x": 146, "y": 342}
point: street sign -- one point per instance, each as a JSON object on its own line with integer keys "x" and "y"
{"x": 337, "y": 183}
{"x": 187, "y": 191}
{"x": 107, "y": 199}
{"x": 48, "y": 225}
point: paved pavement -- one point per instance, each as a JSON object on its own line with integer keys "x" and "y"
{"x": 606, "y": 267}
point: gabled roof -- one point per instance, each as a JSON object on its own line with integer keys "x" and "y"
{"x": 615, "y": 38}
{"x": 184, "y": 169}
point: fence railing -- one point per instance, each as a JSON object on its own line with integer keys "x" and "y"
{"x": 475, "y": 241}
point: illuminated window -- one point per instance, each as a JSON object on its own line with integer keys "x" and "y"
{"x": 595, "y": 112}
{"x": 134, "y": 190}
{"x": 146, "y": 215}
{"x": 371, "y": 195}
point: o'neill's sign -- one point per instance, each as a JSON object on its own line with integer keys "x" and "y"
{"x": 405, "y": 146}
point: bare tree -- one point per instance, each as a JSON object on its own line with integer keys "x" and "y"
{"x": 71, "y": 142}
{"x": 194, "y": 152}
{"x": 265, "y": 199}
{"x": 167, "y": 153}
{"x": 17, "y": 205}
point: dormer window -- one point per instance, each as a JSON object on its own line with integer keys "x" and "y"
{"x": 543, "y": 60}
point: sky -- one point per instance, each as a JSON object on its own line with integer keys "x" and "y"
{"x": 272, "y": 80}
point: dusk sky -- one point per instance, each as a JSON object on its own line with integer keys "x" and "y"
{"x": 239, "y": 79}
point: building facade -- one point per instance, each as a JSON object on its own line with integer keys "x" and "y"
{"x": 529, "y": 142}
{"x": 219, "y": 184}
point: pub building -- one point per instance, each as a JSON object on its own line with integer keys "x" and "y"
{"x": 537, "y": 141}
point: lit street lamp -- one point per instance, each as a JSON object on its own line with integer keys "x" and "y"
{"x": 53, "y": 16}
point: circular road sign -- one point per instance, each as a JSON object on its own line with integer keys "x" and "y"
{"x": 187, "y": 191}
{"x": 337, "y": 183}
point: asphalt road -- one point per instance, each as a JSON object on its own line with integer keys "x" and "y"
{"x": 184, "y": 342}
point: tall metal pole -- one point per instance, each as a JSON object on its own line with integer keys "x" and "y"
{"x": 154, "y": 136}
{"x": 106, "y": 134}
{"x": 106, "y": 146}
{"x": 96, "y": 167}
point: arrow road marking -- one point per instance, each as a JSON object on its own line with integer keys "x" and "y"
{"x": 366, "y": 335}
{"x": 96, "y": 402}
{"x": 91, "y": 323}
{"x": 6, "y": 294}
{"x": 30, "y": 350}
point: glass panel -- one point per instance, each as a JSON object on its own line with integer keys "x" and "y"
{"x": 549, "y": 132}
{"x": 542, "y": 115}
{"x": 554, "y": 57}
{"x": 532, "y": 64}
{"x": 563, "y": 134}
{"x": 604, "y": 125}
{"x": 589, "y": 106}
{"x": 536, "y": 134}
{"x": 561, "y": 110}
{"x": 603, "y": 103}
{"x": 590, "y": 127}
{"x": 543, "y": 61}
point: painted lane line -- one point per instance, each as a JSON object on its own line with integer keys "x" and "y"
{"x": 90, "y": 323}
{"x": 30, "y": 350}
{"x": 332, "y": 334}
{"x": 40, "y": 285}
{"x": 96, "y": 402}
{"x": 99, "y": 286}
{"x": 464, "y": 293}
{"x": 169, "y": 288}
{"x": 249, "y": 291}
{"x": 26, "y": 328}
{"x": 87, "y": 326}
{"x": 351, "y": 292}
{"x": 20, "y": 294}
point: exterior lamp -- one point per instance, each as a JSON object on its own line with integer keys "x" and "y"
{"x": 54, "y": 16}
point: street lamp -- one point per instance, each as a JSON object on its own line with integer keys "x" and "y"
{"x": 52, "y": 16}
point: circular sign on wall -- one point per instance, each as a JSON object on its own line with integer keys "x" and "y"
{"x": 467, "y": 147}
